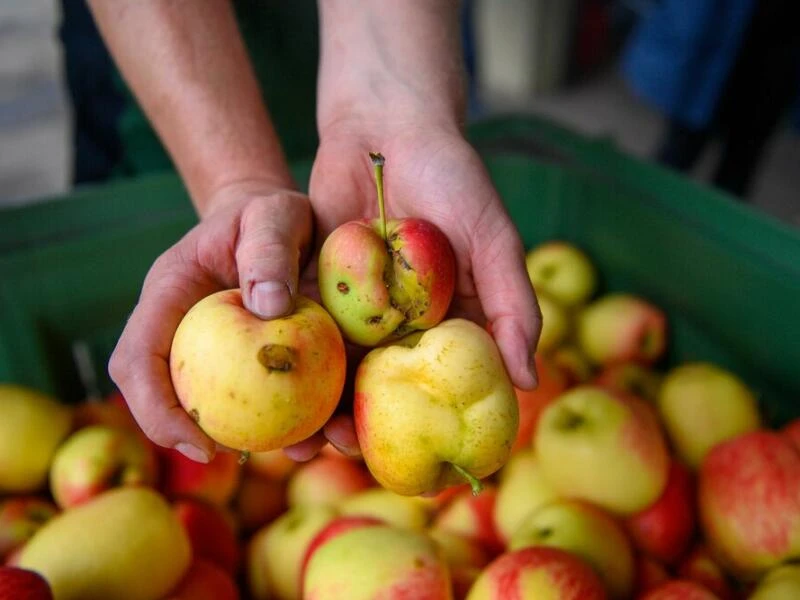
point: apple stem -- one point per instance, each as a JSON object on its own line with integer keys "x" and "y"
{"x": 377, "y": 163}
{"x": 244, "y": 456}
{"x": 474, "y": 482}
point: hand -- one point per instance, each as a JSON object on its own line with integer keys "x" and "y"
{"x": 254, "y": 236}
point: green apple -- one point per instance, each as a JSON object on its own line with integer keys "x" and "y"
{"x": 563, "y": 271}
{"x": 702, "y": 405}
{"x": 556, "y": 324}
{"x": 780, "y": 583}
{"x": 401, "y": 511}
{"x": 434, "y": 409}
{"x": 603, "y": 447}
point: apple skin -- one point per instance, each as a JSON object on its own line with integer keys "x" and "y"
{"x": 215, "y": 481}
{"x": 379, "y": 290}
{"x": 385, "y": 505}
{"x": 23, "y": 584}
{"x": 432, "y": 402}
{"x": 205, "y": 580}
{"x": 258, "y": 501}
{"x": 621, "y": 327}
{"x": 465, "y": 558}
{"x": 256, "y": 385}
{"x": 588, "y": 532}
{"x": 679, "y": 589}
{"x": 273, "y": 464}
{"x": 749, "y": 502}
{"x": 552, "y": 383}
{"x": 573, "y": 363}
{"x": 664, "y": 530}
{"x": 780, "y": 583}
{"x": 541, "y": 572}
{"x": 604, "y": 448}
{"x": 211, "y": 533}
{"x": 556, "y": 324}
{"x": 701, "y": 405}
{"x": 792, "y": 432}
{"x": 20, "y": 518}
{"x": 563, "y": 271}
{"x": 97, "y": 458}
{"x": 378, "y": 561}
{"x": 649, "y": 575}
{"x": 701, "y": 567}
{"x": 631, "y": 378}
{"x": 327, "y": 480}
{"x": 472, "y": 517}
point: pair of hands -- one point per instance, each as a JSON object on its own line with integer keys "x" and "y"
{"x": 260, "y": 237}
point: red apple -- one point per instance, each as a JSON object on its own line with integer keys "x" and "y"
{"x": 472, "y": 517}
{"x": 465, "y": 557}
{"x": 258, "y": 501}
{"x": 540, "y": 572}
{"x": 749, "y": 502}
{"x": 631, "y": 378}
{"x": 215, "y": 482}
{"x": 679, "y": 590}
{"x": 20, "y": 518}
{"x": 552, "y": 383}
{"x": 792, "y": 431}
{"x": 701, "y": 567}
{"x": 327, "y": 480}
{"x": 205, "y": 580}
{"x": 381, "y": 280}
{"x": 23, "y": 584}
{"x": 664, "y": 530}
{"x": 210, "y": 532}
{"x": 649, "y": 575}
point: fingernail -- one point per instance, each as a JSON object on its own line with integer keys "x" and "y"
{"x": 192, "y": 452}
{"x": 271, "y": 299}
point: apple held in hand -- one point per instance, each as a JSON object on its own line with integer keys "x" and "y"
{"x": 381, "y": 280}
{"x": 563, "y": 271}
{"x": 256, "y": 385}
{"x": 434, "y": 409}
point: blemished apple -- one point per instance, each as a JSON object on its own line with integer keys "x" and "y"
{"x": 603, "y": 447}
{"x": 327, "y": 480}
{"x": 378, "y": 561}
{"x": 97, "y": 458}
{"x": 588, "y": 532}
{"x": 649, "y": 574}
{"x": 211, "y": 532}
{"x": 679, "y": 589}
{"x": 664, "y": 530}
{"x": 540, "y": 572}
{"x": 23, "y": 584}
{"x": 36, "y": 422}
{"x": 780, "y": 583}
{"x": 472, "y": 517}
{"x": 20, "y": 518}
{"x": 522, "y": 489}
{"x": 556, "y": 324}
{"x": 255, "y": 385}
{"x": 702, "y": 405}
{"x": 749, "y": 502}
{"x": 552, "y": 383}
{"x": 622, "y": 327}
{"x": 435, "y": 409}
{"x": 631, "y": 378}
{"x": 701, "y": 567}
{"x": 205, "y": 580}
{"x": 215, "y": 481}
{"x": 563, "y": 271}
{"x": 376, "y": 502}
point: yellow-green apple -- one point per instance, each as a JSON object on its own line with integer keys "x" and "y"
{"x": 205, "y": 580}
{"x": 552, "y": 383}
{"x": 522, "y": 489}
{"x": 622, "y": 327}
{"x": 379, "y": 561}
{"x": 749, "y": 502}
{"x": 215, "y": 481}
{"x": 394, "y": 509}
{"x": 563, "y": 271}
{"x": 701, "y": 567}
{"x": 665, "y": 529}
{"x": 603, "y": 447}
{"x": 649, "y": 574}
{"x": 23, "y": 584}
{"x": 275, "y": 553}
{"x": 35, "y": 422}
{"x": 126, "y": 544}
{"x": 211, "y": 532}
{"x": 381, "y": 280}
{"x": 588, "y": 532}
{"x": 327, "y": 480}
{"x": 679, "y": 589}
{"x": 465, "y": 559}
{"x": 631, "y": 378}
{"x": 274, "y": 464}
{"x": 255, "y": 385}
{"x": 535, "y": 573}
{"x": 701, "y": 405}
{"x": 20, "y": 518}
{"x": 573, "y": 363}
{"x": 556, "y": 324}
{"x": 473, "y": 517}
{"x": 97, "y": 458}
{"x": 435, "y": 408}
{"x": 258, "y": 501}
{"x": 780, "y": 583}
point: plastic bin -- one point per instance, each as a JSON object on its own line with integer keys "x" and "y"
{"x": 728, "y": 277}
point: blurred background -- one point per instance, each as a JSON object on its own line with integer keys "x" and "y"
{"x": 706, "y": 87}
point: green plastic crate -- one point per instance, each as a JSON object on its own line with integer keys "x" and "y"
{"x": 728, "y": 277}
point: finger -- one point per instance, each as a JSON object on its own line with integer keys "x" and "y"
{"x": 340, "y": 431}
{"x": 507, "y": 296}
{"x": 307, "y": 449}
{"x": 273, "y": 232}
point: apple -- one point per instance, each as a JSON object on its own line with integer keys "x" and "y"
{"x": 792, "y": 431}
{"x": 258, "y": 501}
{"x": 401, "y": 511}
{"x": 211, "y": 532}
{"x": 664, "y": 530}
{"x": 522, "y": 489}
{"x": 381, "y": 280}
{"x": 105, "y": 412}
{"x": 749, "y": 502}
{"x": 702, "y": 405}
{"x": 541, "y": 572}
{"x": 273, "y": 464}
{"x": 205, "y": 580}
{"x": 573, "y": 363}
{"x": 20, "y": 518}
{"x": 649, "y": 574}
{"x": 435, "y": 409}
{"x": 465, "y": 558}
{"x": 379, "y": 561}
{"x": 255, "y": 385}
{"x": 678, "y": 589}
{"x": 552, "y": 383}
{"x": 556, "y": 324}
{"x": 326, "y": 480}
{"x": 23, "y": 584}
{"x": 780, "y": 583}
{"x": 97, "y": 458}
{"x": 472, "y": 517}
{"x": 215, "y": 481}
{"x": 588, "y": 532}
{"x": 621, "y": 327}
{"x": 631, "y": 378}
{"x": 36, "y": 422}
{"x": 563, "y": 271}
{"x": 701, "y": 567}
{"x": 603, "y": 447}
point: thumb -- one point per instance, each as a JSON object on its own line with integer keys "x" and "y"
{"x": 273, "y": 232}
